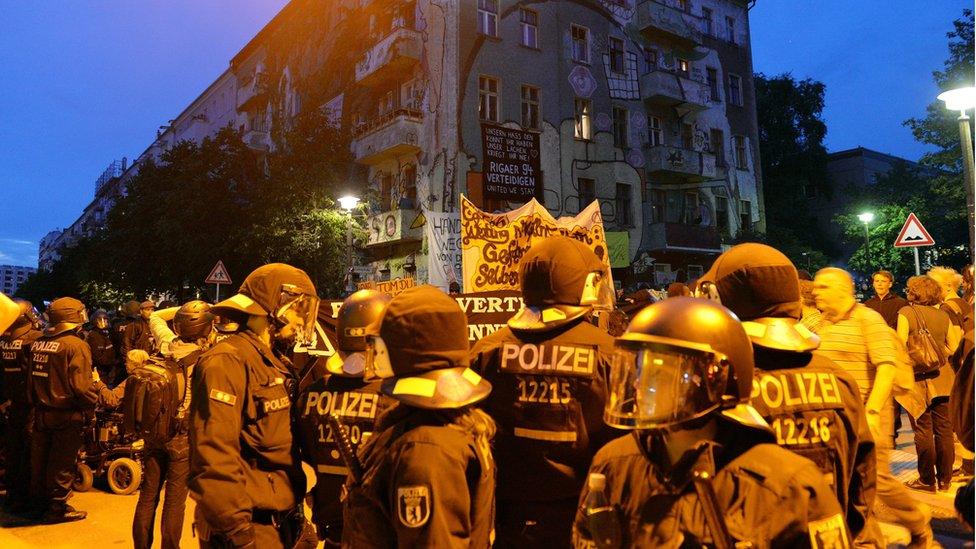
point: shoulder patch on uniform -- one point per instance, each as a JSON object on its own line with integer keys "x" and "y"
{"x": 828, "y": 533}
{"x": 222, "y": 397}
{"x": 413, "y": 505}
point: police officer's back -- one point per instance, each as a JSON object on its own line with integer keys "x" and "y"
{"x": 700, "y": 468}
{"x": 64, "y": 390}
{"x": 15, "y": 359}
{"x": 345, "y": 393}
{"x": 548, "y": 368}
{"x": 813, "y": 405}
{"x": 245, "y": 472}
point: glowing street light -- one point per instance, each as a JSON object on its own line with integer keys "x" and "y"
{"x": 963, "y": 99}
{"x": 349, "y": 203}
{"x": 867, "y": 218}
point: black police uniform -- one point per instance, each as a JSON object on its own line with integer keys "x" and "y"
{"x": 63, "y": 390}
{"x": 427, "y": 483}
{"x": 549, "y": 390}
{"x": 15, "y": 359}
{"x": 137, "y": 335}
{"x": 245, "y": 472}
{"x": 767, "y": 496}
{"x": 104, "y": 353}
{"x": 358, "y": 404}
{"x": 814, "y": 408}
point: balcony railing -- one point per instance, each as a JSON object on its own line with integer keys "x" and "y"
{"x": 392, "y": 56}
{"x": 656, "y": 19}
{"x": 389, "y": 135}
{"x": 677, "y": 162}
{"x": 252, "y": 91}
{"x": 669, "y": 88}
{"x": 683, "y": 237}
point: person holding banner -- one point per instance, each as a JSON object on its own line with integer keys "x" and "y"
{"x": 345, "y": 393}
{"x": 550, "y": 370}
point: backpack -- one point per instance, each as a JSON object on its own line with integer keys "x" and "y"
{"x": 927, "y": 355}
{"x": 152, "y": 397}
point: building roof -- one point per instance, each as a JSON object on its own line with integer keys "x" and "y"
{"x": 861, "y": 151}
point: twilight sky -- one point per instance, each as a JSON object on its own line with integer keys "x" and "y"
{"x": 87, "y": 82}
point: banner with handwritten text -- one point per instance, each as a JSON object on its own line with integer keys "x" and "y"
{"x": 443, "y": 230}
{"x": 493, "y": 244}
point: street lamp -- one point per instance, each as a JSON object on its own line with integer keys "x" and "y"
{"x": 867, "y": 218}
{"x": 349, "y": 203}
{"x": 963, "y": 99}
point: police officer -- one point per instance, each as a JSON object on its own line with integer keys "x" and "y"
{"x": 104, "y": 353}
{"x": 345, "y": 393}
{"x": 245, "y": 471}
{"x": 549, "y": 370}
{"x": 137, "y": 333}
{"x": 813, "y": 405}
{"x": 701, "y": 467}
{"x": 428, "y": 476}
{"x": 64, "y": 390}
{"x": 15, "y": 401}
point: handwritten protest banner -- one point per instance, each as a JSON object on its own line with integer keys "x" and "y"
{"x": 493, "y": 244}
{"x": 443, "y": 248}
{"x": 391, "y": 287}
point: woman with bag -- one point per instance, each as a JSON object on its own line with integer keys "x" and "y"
{"x": 931, "y": 338}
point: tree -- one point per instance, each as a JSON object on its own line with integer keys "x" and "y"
{"x": 791, "y": 134}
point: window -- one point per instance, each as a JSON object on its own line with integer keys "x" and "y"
{"x": 616, "y": 55}
{"x": 689, "y": 212}
{"x": 581, "y": 44}
{"x": 659, "y": 206}
{"x": 730, "y": 29}
{"x": 717, "y": 144}
{"x": 707, "y": 22}
{"x": 655, "y": 135}
{"x": 735, "y": 90}
{"x": 488, "y": 17}
{"x": 712, "y": 79}
{"x": 386, "y": 192}
{"x": 409, "y": 186}
{"x": 620, "y": 129}
{"x": 650, "y": 60}
{"x": 745, "y": 215}
{"x": 722, "y": 213}
{"x": 530, "y": 27}
{"x": 587, "y": 192}
{"x": 488, "y": 98}
{"x": 622, "y": 205}
{"x": 687, "y": 136}
{"x": 739, "y": 145}
{"x": 583, "y": 109}
{"x": 530, "y": 107}
{"x": 683, "y": 66}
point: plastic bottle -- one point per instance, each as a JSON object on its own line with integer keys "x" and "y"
{"x": 601, "y": 517}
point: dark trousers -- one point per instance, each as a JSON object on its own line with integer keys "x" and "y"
{"x": 934, "y": 443}
{"x": 171, "y": 465}
{"x": 16, "y": 445}
{"x": 56, "y": 439}
{"x": 535, "y": 523}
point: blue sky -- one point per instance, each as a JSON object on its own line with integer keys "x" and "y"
{"x": 85, "y": 83}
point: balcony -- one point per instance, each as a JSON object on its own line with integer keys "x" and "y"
{"x": 252, "y": 92}
{"x": 680, "y": 237}
{"x": 393, "y": 227}
{"x": 387, "y": 136}
{"x": 258, "y": 139}
{"x": 394, "y": 55}
{"x": 675, "y": 163}
{"x": 662, "y": 22}
{"x": 670, "y": 89}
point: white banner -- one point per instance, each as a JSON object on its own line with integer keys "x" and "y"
{"x": 443, "y": 231}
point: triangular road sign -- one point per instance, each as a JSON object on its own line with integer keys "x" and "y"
{"x": 913, "y": 234}
{"x": 218, "y": 275}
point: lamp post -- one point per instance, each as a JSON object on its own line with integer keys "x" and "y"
{"x": 963, "y": 99}
{"x": 349, "y": 203}
{"x": 867, "y": 218}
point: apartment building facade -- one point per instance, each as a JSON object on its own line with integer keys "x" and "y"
{"x": 12, "y": 276}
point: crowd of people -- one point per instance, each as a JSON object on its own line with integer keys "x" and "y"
{"x": 756, "y": 406}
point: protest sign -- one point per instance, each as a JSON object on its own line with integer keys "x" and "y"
{"x": 511, "y": 163}
{"x": 443, "y": 248}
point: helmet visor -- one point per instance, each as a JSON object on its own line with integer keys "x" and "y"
{"x": 378, "y": 365}
{"x": 708, "y": 290}
{"x": 298, "y": 310}
{"x": 598, "y": 292}
{"x": 655, "y": 384}
{"x": 101, "y": 322}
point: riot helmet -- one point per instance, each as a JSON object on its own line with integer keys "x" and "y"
{"x": 64, "y": 314}
{"x": 193, "y": 321}
{"x": 358, "y": 313}
{"x": 561, "y": 280}
{"x": 681, "y": 359}
{"x": 100, "y": 320}
{"x": 285, "y": 295}
{"x": 420, "y": 348}
{"x": 26, "y": 320}
{"x": 760, "y": 285}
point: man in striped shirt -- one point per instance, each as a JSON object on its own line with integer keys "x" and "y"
{"x": 858, "y": 339}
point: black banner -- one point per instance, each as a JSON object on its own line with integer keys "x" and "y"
{"x": 511, "y": 163}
